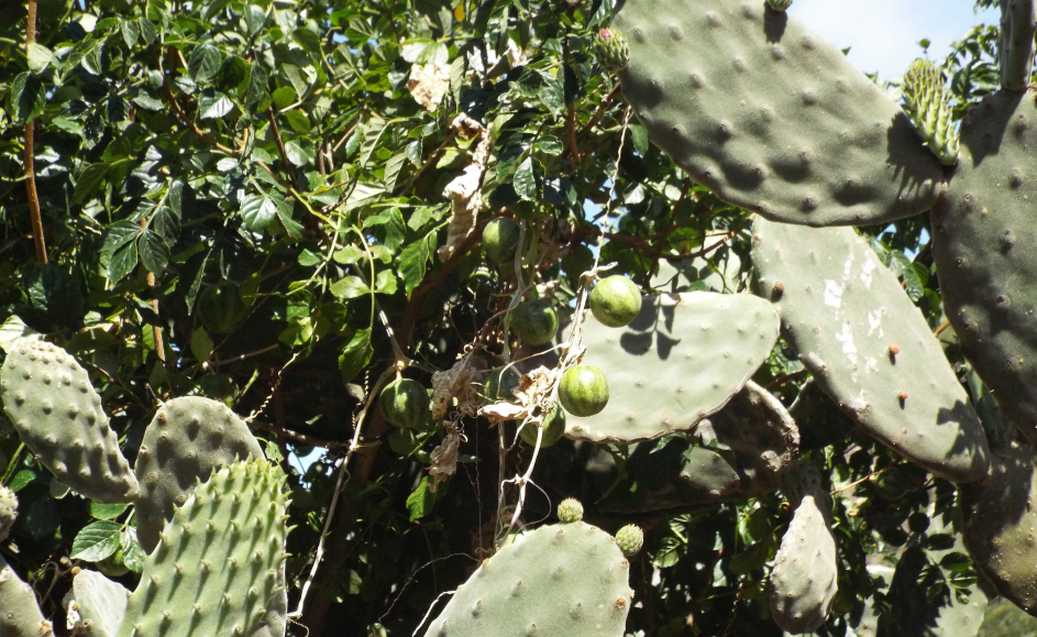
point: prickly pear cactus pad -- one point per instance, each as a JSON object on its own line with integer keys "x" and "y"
{"x": 868, "y": 346}
{"x": 54, "y": 408}
{"x": 806, "y": 571}
{"x": 216, "y": 567}
{"x": 692, "y": 352}
{"x": 20, "y": 615}
{"x": 986, "y": 251}
{"x": 187, "y": 438}
{"x": 101, "y": 604}
{"x": 8, "y": 511}
{"x": 561, "y": 579}
{"x": 769, "y": 116}
{"x": 1000, "y": 515}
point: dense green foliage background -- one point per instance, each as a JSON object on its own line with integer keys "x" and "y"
{"x": 242, "y": 199}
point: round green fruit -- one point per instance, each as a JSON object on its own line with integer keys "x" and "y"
{"x": 553, "y": 426}
{"x": 405, "y": 404}
{"x": 500, "y": 239}
{"x": 615, "y": 301}
{"x": 583, "y": 390}
{"x": 501, "y": 383}
{"x": 403, "y": 442}
{"x": 535, "y": 322}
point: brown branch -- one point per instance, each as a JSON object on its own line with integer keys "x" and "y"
{"x": 290, "y": 435}
{"x": 318, "y": 606}
{"x": 600, "y": 111}
{"x": 272, "y": 117}
{"x": 35, "y": 214}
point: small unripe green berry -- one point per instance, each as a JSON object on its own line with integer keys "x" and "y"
{"x": 499, "y": 240}
{"x": 583, "y": 390}
{"x": 615, "y": 301}
{"x": 553, "y": 427}
{"x": 630, "y": 539}
{"x": 535, "y": 322}
{"x": 570, "y": 510}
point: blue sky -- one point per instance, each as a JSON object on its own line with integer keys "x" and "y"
{"x": 884, "y": 34}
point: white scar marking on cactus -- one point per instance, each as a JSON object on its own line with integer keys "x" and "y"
{"x": 871, "y": 364}
{"x": 867, "y": 271}
{"x": 833, "y": 293}
{"x": 845, "y": 338}
{"x": 875, "y": 321}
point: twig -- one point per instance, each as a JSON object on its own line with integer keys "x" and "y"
{"x": 276, "y": 130}
{"x": 340, "y": 482}
{"x": 30, "y": 169}
{"x": 156, "y": 330}
{"x": 596, "y": 116}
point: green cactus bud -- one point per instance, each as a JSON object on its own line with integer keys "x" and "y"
{"x": 630, "y": 539}
{"x": 779, "y": 5}
{"x": 8, "y": 511}
{"x": 570, "y": 510}
{"x": 613, "y": 50}
{"x": 928, "y": 106}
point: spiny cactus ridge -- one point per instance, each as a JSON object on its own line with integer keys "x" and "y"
{"x": 186, "y": 440}
{"x": 215, "y": 569}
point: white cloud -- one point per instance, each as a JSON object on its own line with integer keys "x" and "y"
{"x": 884, "y": 34}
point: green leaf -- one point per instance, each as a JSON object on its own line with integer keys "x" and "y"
{"x": 258, "y": 211}
{"x": 26, "y": 98}
{"x": 214, "y": 105}
{"x": 120, "y": 249}
{"x": 421, "y": 500}
{"x": 201, "y": 344}
{"x": 525, "y": 182}
{"x": 130, "y": 30}
{"x": 255, "y": 18}
{"x": 154, "y": 252}
{"x": 296, "y": 154}
{"x": 122, "y": 262}
{"x": 106, "y": 511}
{"x": 21, "y": 479}
{"x": 414, "y": 259}
{"x": 204, "y": 63}
{"x": 97, "y": 541}
{"x": 298, "y": 121}
{"x": 88, "y": 182}
{"x": 349, "y": 287}
{"x": 392, "y": 170}
{"x": 132, "y": 553}
{"x": 356, "y": 354}
{"x": 385, "y": 282}
{"x": 348, "y": 255}
{"x": 40, "y": 57}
